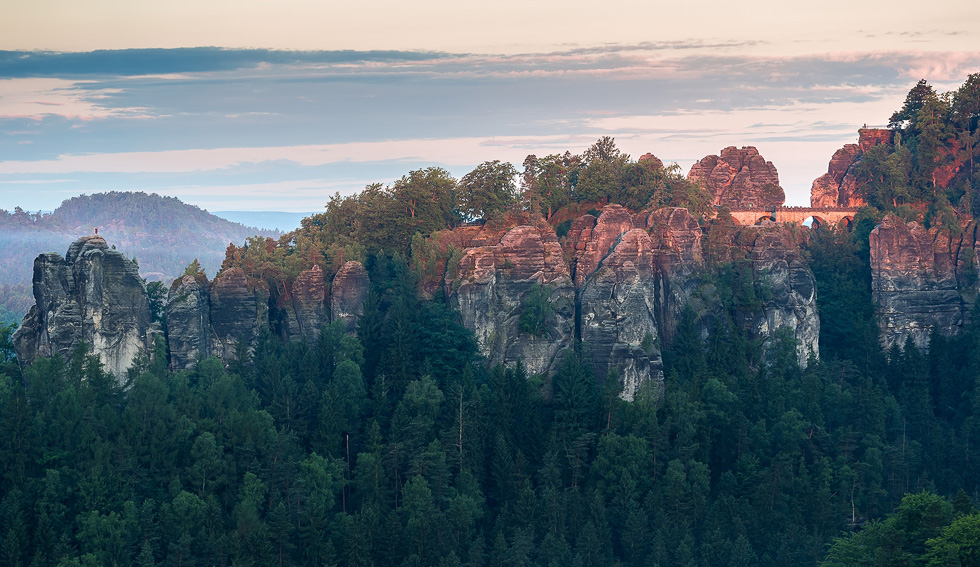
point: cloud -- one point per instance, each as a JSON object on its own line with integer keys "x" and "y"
{"x": 447, "y": 151}
{"x": 36, "y": 98}
{"x": 649, "y": 59}
{"x": 132, "y": 62}
{"x": 352, "y": 116}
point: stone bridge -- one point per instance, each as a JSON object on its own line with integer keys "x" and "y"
{"x": 828, "y": 216}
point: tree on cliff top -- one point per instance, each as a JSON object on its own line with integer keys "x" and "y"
{"x": 603, "y": 170}
{"x": 916, "y": 98}
{"x": 966, "y": 103}
{"x": 488, "y": 190}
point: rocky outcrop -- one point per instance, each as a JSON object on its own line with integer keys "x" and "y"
{"x": 679, "y": 261}
{"x": 188, "y": 322}
{"x": 871, "y": 137}
{"x": 786, "y": 289}
{"x": 299, "y": 308}
{"x": 839, "y": 186}
{"x": 593, "y": 238}
{"x": 651, "y": 160}
{"x": 93, "y": 295}
{"x": 739, "y": 178}
{"x": 498, "y": 279}
{"x": 348, "y": 293}
{"x": 238, "y": 310}
{"x": 309, "y": 302}
{"x": 917, "y": 280}
{"x": 636, "y": 275}
{"x": 619, "y": 285}
{"x": 205, "y": 319}
{"x": 618, "y": 304}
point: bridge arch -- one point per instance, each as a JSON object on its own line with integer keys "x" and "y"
{"x": 826, "y": 216}
{"x": 815, "y": 222}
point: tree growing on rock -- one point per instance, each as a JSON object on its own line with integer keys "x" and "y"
{"x": 488, "y": 190}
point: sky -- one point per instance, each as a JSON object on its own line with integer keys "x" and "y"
{"x": 258, "y": 105}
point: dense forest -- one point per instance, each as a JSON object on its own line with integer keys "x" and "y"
{"x": 162, "y": 233}
{"x": 397, "y": 445}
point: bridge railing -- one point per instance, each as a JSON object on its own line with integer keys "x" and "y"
{"x": 799, "y": 210}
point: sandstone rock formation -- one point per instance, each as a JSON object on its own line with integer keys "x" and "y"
{"x": 348, "y": 293}
{"x": 839, "y": 186}
{"x": 595, "y": 237}
{"x": 917, "y": 277}
{"x": 836, "y": 188}
{"x": 870, "y": 137}
{"x": 496, "y": 278}
{"x": 739, "y": 178}
{"x": 786, "y": 285}
{"x": 238, "y": 310}
{"x": 299, "y": 308}
{"x": 619, "y": 286}
{"x": 618, "y": 304}
{"x": 188, "y": 322}
{"x": 679, "y": 261}
{"x": 93, "y": 294}
{"x": 634, "y": 274}
{"x": 651, "y": 160}
{"x": 205, "y": 319}
{"x": 309, "y": 301}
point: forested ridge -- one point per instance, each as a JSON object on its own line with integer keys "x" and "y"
{"x": 397, "y": 445}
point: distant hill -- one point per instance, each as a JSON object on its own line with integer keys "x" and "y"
{"x": 162, "y": 233}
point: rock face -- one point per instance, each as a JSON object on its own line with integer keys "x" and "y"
{"x": 309, "y": 301}
{"x": 618, "y": 282}
{"x": 299, "y": 308}
{"x": 94, "y": 295}
{"x": 205, "y": 319}
{"x": 632, "y": 301}
{"x": 238, "y": 311}
{"x": 595, "y": 237}
{"x": 918, "y": 278}
{"x": 188, "y": 322}
{"x": 348, "y": 293}
{"x": 651, "y": 160}
{"x": 870, "y": 137}
{"x": 629, "y": 277}
{"x": 634, "y": 275}
{"x": 679, "y": 261}
{"x": 618, "y": 304}
{"x": 787, "y": 288}
{"x": 838, "y": 187}
{"x": 497, "y": 280}
{"x": 739, "y": 178}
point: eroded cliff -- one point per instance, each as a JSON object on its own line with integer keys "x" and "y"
{"x": 215, "y": 318}
{"x": 618, "y": 283}
{"x": 495, "y": 283}
{"x": 922, "y": 280}
{"x": 93, "y": 295}
{"x": 739, "y": 177}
